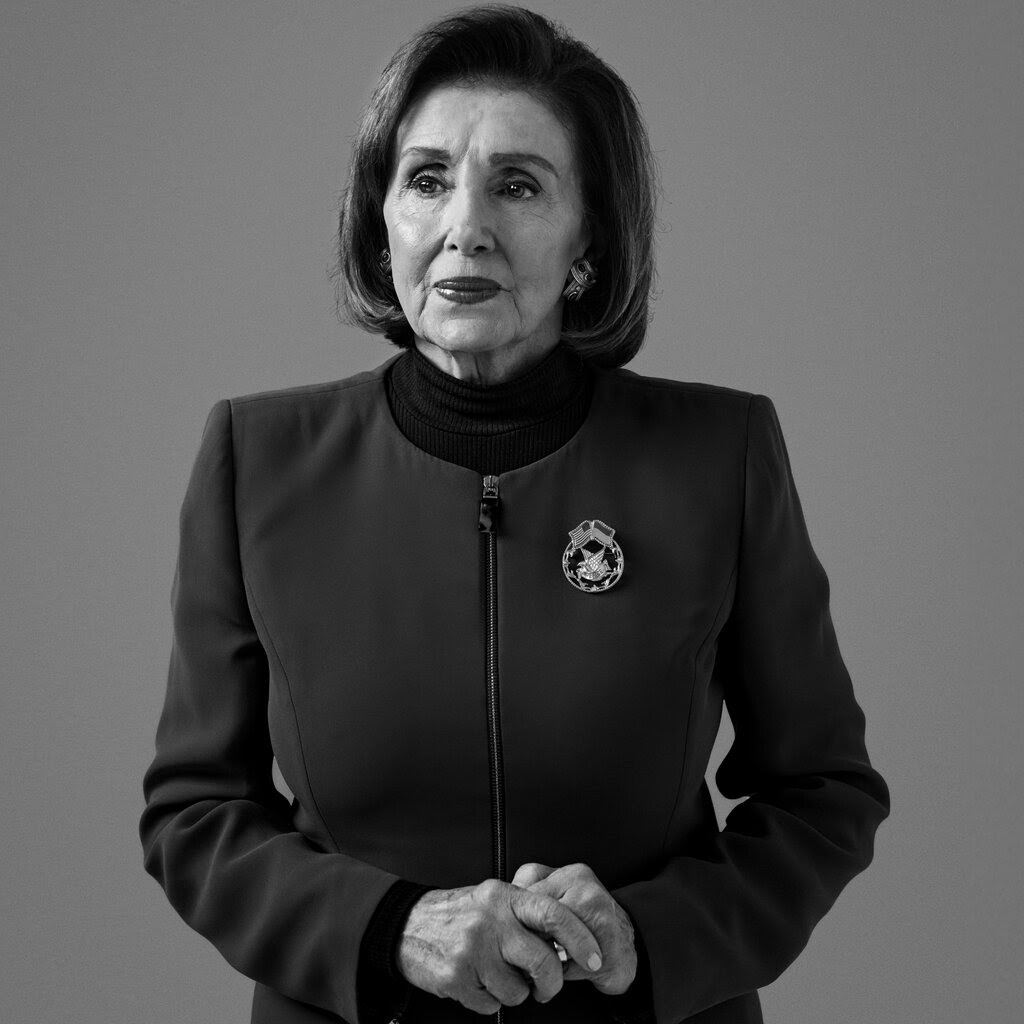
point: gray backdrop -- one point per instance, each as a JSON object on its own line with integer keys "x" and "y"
{"x": 842, "y": 230}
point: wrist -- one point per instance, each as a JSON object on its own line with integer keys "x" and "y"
{"x": 382, "y": 989}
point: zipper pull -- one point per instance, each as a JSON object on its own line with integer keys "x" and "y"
{"x": 488, "y": 521}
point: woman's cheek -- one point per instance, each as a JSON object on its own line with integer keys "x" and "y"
{"x": 412, "y": 228}
{"x": 414, "y": 300}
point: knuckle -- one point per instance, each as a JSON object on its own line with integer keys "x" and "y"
{"x": 511, "y": 993}
{"x": 552, "y": 913}
{"x": 489, "y": 889}
{"x": 475, "y": 922}
{"x": 537, "y": 963}
{"x": 520, "y": 995}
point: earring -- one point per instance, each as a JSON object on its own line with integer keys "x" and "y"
{"x": 384, "y": 261}
{"x": 583, "y": 275}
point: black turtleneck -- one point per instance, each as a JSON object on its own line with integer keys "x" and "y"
{"x": 489, "y": 429}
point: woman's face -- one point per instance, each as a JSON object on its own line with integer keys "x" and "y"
{"x": 484, "y": 216}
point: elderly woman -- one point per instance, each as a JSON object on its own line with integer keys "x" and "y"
{"x": 484, "y": 604}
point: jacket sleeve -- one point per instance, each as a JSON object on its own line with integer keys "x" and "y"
{"x": 383, "y": 991}
{"x": 216, "y": 833}
{"x": 730, "y": 917}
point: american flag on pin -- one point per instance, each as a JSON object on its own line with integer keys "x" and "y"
{"x": 591, "y": 529}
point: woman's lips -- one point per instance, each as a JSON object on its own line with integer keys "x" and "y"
{"x": 467, "y": 289}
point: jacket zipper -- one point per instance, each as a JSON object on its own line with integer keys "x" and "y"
{"x": 487, "y": 523}
{"x": 488, "y": 526}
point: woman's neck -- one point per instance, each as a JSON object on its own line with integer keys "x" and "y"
{"x": 490, "y": 366}
{"x": 489, "y": 428}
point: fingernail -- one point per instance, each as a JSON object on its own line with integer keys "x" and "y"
{"x": 594, "y": 963}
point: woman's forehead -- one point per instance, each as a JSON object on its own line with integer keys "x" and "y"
{"x": 450, "y": 118}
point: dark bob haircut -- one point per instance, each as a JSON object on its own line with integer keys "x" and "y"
{"x": 516, "y": 49}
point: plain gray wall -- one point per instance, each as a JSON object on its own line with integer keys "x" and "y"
{"x": 842, "y": 230}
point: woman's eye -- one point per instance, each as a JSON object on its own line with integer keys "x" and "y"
{"x": 519, "y": 189}
{"x": 425, "y": 185}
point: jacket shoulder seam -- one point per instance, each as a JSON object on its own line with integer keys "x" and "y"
{"x": 636, "y": 380}
{"x": 360, "y": 380}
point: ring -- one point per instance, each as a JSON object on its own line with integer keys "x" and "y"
{"x": 560, "y": 950}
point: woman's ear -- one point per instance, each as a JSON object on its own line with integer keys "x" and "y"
{"x": 595, "y": 242}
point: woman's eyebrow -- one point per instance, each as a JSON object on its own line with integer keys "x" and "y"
{"x": 443, "y": 156}
{"x": 523, "y": 158}
{"x": 426, "y": 153}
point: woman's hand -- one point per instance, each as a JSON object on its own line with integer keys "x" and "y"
{"x": 575, "y": 886}
{"x": 480, "y": 943}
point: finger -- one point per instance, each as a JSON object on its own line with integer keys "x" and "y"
{"x": 549, "y": 918}
{"x": 597, "y": 910}
{"x": 479, "y": 1000}
{"x": 536, "y": 958}
{"x": 590, "y": 902}
{"x": 607, "y": 980}
{"x": 573, "y": 972}
{"x": 505, "y": 983}
{"x": 549, "y": 886}
{"x": 530, "y": 873}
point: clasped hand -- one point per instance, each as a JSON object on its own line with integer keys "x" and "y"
{"x": 490, "y": 945}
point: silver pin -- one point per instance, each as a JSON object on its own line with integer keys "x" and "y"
{"x": 593, "y": 560}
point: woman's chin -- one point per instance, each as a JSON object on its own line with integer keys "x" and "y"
{"x": 486, "y": 332}
{"x": 469, "y": 334}
{"x": 484, "y": 353}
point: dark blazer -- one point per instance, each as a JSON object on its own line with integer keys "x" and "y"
{"x": 433, "y": 693}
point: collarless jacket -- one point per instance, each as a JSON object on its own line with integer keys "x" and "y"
{"x": 331, "y": 608}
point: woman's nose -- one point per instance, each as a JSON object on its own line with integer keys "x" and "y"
{"x": 468, "y": 227}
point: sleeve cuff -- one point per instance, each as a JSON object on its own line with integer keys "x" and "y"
{"x": 381, "y": 990}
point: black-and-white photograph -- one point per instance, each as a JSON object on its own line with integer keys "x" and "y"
{"x": 512, "y": 512}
